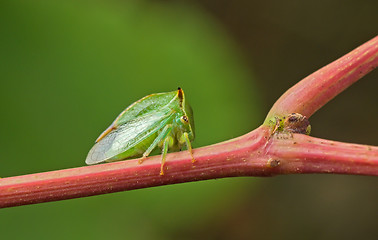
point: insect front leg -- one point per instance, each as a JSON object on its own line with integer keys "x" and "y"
{"x": 166, "y": 130}
{"x": 185, "y": 139}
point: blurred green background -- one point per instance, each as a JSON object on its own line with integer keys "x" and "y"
{"x": 69, "y": 67}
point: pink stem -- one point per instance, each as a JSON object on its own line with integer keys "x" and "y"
{"x": 220, "y": 160}
{"x": 313, "y": 92}
{"x": 304, "y": 154}
{"x": 254, "y": 154}
{"x": 257, "y": 153}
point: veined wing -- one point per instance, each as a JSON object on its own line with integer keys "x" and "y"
{"x": 137, "y": 109}
{"x": 127, "y": 136}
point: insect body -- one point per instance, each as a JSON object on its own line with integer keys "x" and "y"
{"x": 161, "y": 119}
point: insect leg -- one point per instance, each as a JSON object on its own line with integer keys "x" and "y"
{"x": 188, "y": 145}
{"x": 167, "y": 129}
{"x": 167, "y": 141}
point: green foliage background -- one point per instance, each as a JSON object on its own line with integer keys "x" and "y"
{"x": 67, "y": 68}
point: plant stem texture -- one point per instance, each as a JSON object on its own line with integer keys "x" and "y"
{"x": 261, "y": 152}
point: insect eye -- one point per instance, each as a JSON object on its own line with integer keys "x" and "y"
{"x": 184, "y": 119}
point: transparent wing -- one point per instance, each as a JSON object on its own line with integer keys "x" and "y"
{"x": 127, "y": 136}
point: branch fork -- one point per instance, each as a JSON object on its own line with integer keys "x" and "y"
{"x": 279, "y": 146}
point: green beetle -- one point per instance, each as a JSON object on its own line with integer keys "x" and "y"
{"x": 160, "y": 119}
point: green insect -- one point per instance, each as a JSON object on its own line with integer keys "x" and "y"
{"x": 160, "y": 119}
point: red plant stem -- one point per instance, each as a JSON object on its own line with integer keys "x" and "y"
{"x": 254, "y": 154}
{"x": 257, "y": 153}
{"x": 300, "y": 153}
{"x": 314, "y": 91}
